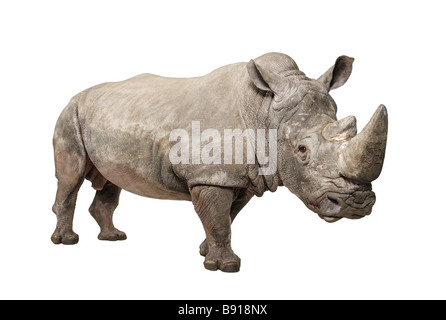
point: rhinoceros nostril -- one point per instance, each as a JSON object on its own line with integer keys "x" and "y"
{"x": 333, "y": 200}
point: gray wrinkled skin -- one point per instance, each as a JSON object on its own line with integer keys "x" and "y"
{"x": 117, "y": 136}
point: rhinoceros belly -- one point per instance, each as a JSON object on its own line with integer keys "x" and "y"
{"x": 136, "y": 165}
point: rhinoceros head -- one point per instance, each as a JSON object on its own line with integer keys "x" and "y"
{"x": 323, "y": 160}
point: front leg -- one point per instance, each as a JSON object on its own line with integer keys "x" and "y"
{"x": 243, "y": 197}
{"x": 213, "y": 205}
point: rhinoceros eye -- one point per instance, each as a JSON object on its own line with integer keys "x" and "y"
{"x": 303, "y": 152}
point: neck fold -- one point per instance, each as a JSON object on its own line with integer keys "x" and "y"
{"x": 256, "y": 111}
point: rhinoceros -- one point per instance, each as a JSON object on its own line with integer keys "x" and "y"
{"x": 118, "y": 135}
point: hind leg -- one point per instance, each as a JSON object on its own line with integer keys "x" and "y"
{"x": 64, "y": 210}
{"x": 102, "y": 208}
{"x": 70, "y": 168}
{"x": 71, "y": 164}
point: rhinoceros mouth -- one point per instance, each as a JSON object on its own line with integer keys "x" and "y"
{"x": 328, "y": 207}
{"x": 353, "y": 202}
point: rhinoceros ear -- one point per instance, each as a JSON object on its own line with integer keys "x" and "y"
{"x": 267, "y": 80}
{"x": 338, "y": 74}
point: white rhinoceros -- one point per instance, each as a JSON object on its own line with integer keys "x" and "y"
{"x": 119, "y": 136}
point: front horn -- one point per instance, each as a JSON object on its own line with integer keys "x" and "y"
{"x": 362, "y": 157}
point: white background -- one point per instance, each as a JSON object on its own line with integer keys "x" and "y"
{"x": 51, "y": 50}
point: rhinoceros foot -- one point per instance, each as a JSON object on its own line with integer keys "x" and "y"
{"x": 112, "y": 235}
{"x": 222, "y": 258}
{"x": 67, "y": 237}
